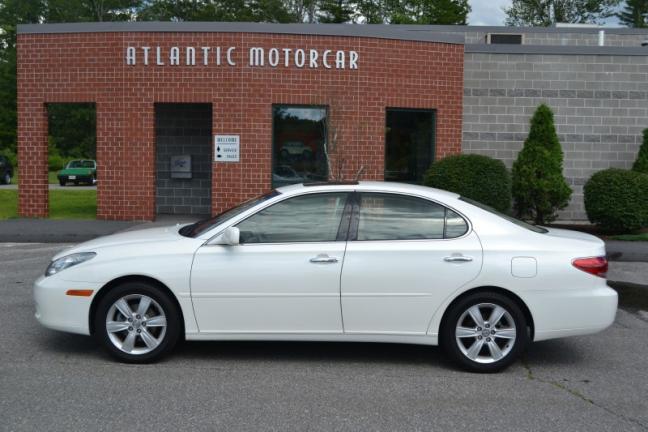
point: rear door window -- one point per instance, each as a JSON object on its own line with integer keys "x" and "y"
{"x": 401, "y": 217}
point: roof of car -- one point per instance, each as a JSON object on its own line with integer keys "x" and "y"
{"x": 373, "y": 186}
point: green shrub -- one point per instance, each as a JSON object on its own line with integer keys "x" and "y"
{"x": 539, "y": 187}
{"x": 474, "y": 176}
{"x": 641, "y": 164}
{"x": 616, "y": 199}
{"x": 55, "y": 162}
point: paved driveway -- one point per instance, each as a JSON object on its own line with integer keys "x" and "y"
{"x": 59, "y": 382}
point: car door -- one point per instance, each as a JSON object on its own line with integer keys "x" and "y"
{"x": 405, "y": 255}
{"x": 283, "y": 277}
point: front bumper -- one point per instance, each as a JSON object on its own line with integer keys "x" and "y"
{"x": 77, "y": 178}
{"x": 58, "y": 311}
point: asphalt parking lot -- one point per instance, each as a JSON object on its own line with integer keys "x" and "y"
{"x": 54, "y": 381}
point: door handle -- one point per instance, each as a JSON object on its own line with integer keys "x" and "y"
{"x": 323, "y": 259}
{"x": 457, "y": 258}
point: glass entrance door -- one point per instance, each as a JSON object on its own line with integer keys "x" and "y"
{"x": 409, "y": 144}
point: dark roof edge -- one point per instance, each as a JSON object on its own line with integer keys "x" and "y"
{"x": 512, "y": 29}
{"x": 353, "y": 30}
{"x": 556, "y": 49}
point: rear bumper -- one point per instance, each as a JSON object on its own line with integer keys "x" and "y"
{"x": 572, "y": 312}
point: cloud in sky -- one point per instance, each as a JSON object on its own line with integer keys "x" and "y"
{"x": 488, "y": 12}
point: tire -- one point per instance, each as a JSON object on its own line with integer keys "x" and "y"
{"x": 153, "y": 335}
{"x": 482, "y": 347}
{"x": 62, "y": 182}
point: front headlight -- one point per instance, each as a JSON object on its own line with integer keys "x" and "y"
{"x": 68, "y": 261}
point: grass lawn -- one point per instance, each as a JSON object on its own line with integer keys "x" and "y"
{"x": 631, "y": 237}
{"x": 63, "y": 204}
{"x": 51, "y": 176}
{"x": 8, "y": 203}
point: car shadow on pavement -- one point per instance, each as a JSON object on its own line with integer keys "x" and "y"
{"x": 339, "y": 352}
{"x": 554, "y": 352}
{"x": 69, "y": 345}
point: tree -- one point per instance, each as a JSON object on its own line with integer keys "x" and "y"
{"x": 12, "y": 13}
{"x": 216, "y": 10}
{"x": 414, "y": 11}
{"x": 545, "y": 13}
{"x": 539, "y": 188}
{"x": 634, "y": 14}
{"x": 336, "y": 11}
{"x": 91, "y": 10}
{"x": 641, "y": 164}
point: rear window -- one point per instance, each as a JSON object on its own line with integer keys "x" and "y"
{"x": 517, "y": 222}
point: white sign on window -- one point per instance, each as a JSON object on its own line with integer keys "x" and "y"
{"x": 227, "y": 148}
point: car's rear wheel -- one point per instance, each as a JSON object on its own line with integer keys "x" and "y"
{"x": 137, "y": 323}
{"x": 485, "y": 332}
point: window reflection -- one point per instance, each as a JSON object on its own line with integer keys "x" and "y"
{"x": 393, "y": 217}
{"x": 307, "y": 218}
{"x": 409, "y": 144}
{"x": 299, "y": 136}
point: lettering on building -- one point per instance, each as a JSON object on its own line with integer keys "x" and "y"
{"x": 258, "y": 57}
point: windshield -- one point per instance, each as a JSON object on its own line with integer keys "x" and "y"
{"x": 80, "y": 164}
{"x": 517, "y": 222}
{"x": 196, "y": 229}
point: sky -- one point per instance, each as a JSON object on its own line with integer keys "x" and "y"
{"x": 490, "y": 12}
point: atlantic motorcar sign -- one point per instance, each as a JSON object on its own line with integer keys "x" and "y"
{"x": 231, "y": 57}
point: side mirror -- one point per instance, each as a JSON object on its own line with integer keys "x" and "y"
{"x": 229, "y": 237}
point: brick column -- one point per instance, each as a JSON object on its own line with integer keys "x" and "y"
{"x": 32, "y": 157}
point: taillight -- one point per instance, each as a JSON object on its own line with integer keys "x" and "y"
{"x": 598, "y": 266}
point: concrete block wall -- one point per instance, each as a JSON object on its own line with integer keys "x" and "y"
{"x": 183, "y": 129}
{"x": 600, "y": 104}
{"x": 564, "y": 38}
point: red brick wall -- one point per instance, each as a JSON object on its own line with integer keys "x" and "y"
{"x": 91, "y": 67}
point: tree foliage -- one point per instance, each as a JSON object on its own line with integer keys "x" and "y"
{"x": 641, "y": 163}
{"x": 539, "y": 187}
{"x": 217, "y": 10}
{"x": 549, "y": 12}
{"x": 414, "y": 11}
{"x": 634, "y": 14}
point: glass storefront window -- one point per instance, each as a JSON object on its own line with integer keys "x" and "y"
{"x": 409, "y": 144}
{"x": 299, "y": 136}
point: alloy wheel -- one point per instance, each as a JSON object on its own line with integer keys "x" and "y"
{"x": 485, "y": 333}
{"x": 136, "y": 324}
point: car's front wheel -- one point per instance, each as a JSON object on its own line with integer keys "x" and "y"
{"x": 485, "y": 332}
{"x": 137, "y": 323}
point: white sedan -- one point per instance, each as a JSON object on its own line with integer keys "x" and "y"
{"x": 363, "y": 262}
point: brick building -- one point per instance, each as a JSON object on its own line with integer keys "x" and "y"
{"x": 195, "y": 117}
